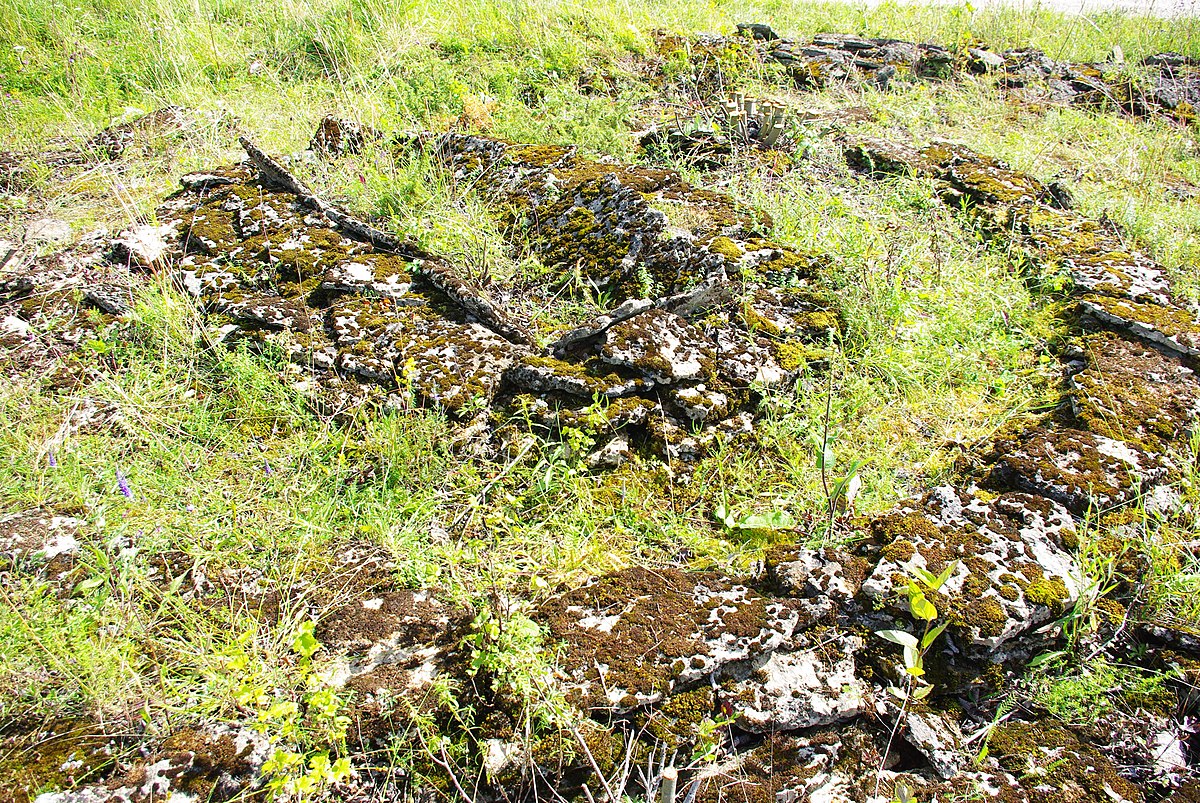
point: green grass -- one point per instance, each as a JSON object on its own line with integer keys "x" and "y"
{"x": 947, "y": 337}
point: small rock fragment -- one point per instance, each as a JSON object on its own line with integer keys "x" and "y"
{"x": 48, "y": 230}
{"x": 142, "y": 246}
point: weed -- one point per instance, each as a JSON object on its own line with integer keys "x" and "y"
{"x": 915, "y": 688}
{"x": 941, "y": 346}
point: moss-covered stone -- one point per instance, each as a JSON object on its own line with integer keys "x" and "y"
{"x": 658, "y": 631}
{"x": 1067, "y": 767}
{"x": 1075, "y": 468}
{"x": 989, "y": 543}
{"x": 1134, "y": 393}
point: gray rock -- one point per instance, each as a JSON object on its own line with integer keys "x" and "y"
{"x": 1172, "y": 328}
{"x": 812, "y": 682}
{"x": 48, "y": 230}
{"x": 633, "y": 637}
{"x": 825, "y": 573}
{"x": 1078, "y": 469}
{"x": 218, "y": 761}
{"x": 936, "y": 736}
{"x": 758, "y": 31}
{"x": 660, "y": 345}
{"x": 983, "y": 61}
{"x": 613, "y": 454}
{"x": 115, "y": 298}
{"x": 1012, "y": 570}
{"x": 143, "y": 246}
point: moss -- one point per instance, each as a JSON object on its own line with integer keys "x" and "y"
{"x": 655, "y": 638}
{"x": 899, "y": 551}
{"x": 756, "y": 323}
{"x": 537, "y": 155}
{"x": 726, "y": 248}
{"x": 1061, "y": 762}
{"x": 583, "y": 215}
{"x": 985, "y": 614}
{"x": 1133, "y": 393}
{"x": 990, "y": 184}
{"x": 210, "y": 229}
{"x": 1048, "y": 591}
{"x": 676, "y": 722}
{"x": 789, "y": 266}
{"x": 580, "y": 243}
{"x": 819, "y": 322}
{"x": 975, "y": 585}
{"x": 794, "y": 355}
{"x": 891, "y": 526}
{"x": 776, "y": 770}
{"x": 40, "y": 756}
{"x": 1030, "y": 460}
{"x": 1110, "y": 610}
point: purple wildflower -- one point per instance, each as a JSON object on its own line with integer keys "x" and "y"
{"x": 123, "y": 485}
{"x": 267, "y": 468}
{"x": 51, "y": 459}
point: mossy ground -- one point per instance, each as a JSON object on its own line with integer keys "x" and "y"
{"x": 945, "y": 339}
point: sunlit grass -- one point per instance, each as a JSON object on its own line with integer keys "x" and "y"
{"x": 947, "y": 338}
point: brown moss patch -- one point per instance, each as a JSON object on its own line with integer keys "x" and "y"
{"x": 61, "y": 754}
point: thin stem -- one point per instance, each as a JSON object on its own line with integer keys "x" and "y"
{"x": 829, "y": 500}
{"x": 892, "y": 736}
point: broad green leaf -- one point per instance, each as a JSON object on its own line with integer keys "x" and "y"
{"x": 840, "y": 487}
{"x": 305, "y": 642}
{"x": 825, "y": 458}
{"x": 925, "y": 577}
{"x": 945, "y": 575}
{"x": 913, "y": 664}
{"x": 898, "y": 637}
{"x": 90, "y": 584}
{"x": 922, "y": 608}
{"x": 921, "y": 692}
{"x": 932, "y": 635}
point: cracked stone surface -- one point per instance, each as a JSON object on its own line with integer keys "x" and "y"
{"x": 1012, "y": 568}
{"x": 812, "y": 682}
{"x": 211, "y": 763}
{"x": 273, "y": 266}
{"x": 705, "y": 306}
{"x": 1076, "y": 468}
{"x": 635, "y": 636}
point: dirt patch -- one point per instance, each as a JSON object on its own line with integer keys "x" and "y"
{"x": 41, "y": 543}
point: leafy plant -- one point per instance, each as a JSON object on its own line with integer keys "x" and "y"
{"x": 923, "y": 611}
{"x": 775, "y": 520}
{"x": 509, "y": 647}
{"x": 709, "y": 736}
{"x": 310, "y": 731}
